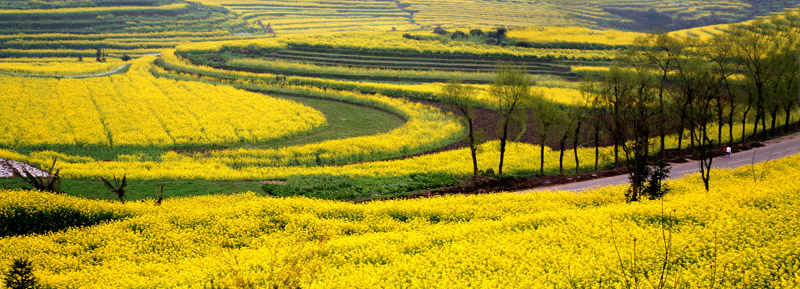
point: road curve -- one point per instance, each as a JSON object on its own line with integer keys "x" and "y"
{"x": 772, "y": 149}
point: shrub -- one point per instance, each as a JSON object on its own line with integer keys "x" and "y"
{"x": 20, "y": 276}
{"x": 476, "y": 32}
{"x": 439, "y": 30}
{"x": 458, "y": 34}
{"x": 118, "y": 188}
{"x": 32, "y": 212}
{"x": 412, "y": 37}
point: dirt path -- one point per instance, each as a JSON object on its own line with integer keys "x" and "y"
{"x": 101, "y": 74}
{"x": 6, "y": 172}
{"x": 772, "y": 149}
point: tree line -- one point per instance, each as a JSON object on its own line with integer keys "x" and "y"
{"x": 662, "y": 86}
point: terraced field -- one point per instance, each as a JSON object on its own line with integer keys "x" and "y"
{"x": 243, "y": 131}
{"x": 313, "y": 17}
{"x": 307, "y": 17}
{"x": 137, "y": 27}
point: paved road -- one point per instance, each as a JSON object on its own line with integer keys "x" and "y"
{"x": 772, "y": 149}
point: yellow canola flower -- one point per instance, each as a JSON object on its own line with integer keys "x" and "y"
{"x": 56, "y": 68}
{"x": 574, "y": 34}
{"x": 136, "y": 108}
{"x": 385, "y": 41}
{"x": 745, "y": 226}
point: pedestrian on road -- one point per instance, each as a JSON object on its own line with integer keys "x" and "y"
{"x": 728, "y": 151}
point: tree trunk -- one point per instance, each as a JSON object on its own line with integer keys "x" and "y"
{"x": 575, "y": 148}
{"x": 744, "y": 122}
{"x": 541, "y": 159}
{"x": 596, "y": 147}
{"x": 561, "y": 157}
{"x": 503, "y": 147}
{"x": 720, "y": 121}
{"x": 473, "y": 149}
{"x": 680, "y": 139}
{"x": 730, "y": 127}
{"x": 755, "y": 124}
{"x": 774, "y": 114}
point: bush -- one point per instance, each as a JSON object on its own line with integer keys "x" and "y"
{"x": 476, "y": 32}
{"x": 20, "y": 276}
{"x": 458, "y": 34}
{"x": 412, "y": 37}
{"x": 439, "y": 30}
{"x": 31, "y": 212}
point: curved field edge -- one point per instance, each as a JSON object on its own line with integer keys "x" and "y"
{"x": 62, "y": 70}
{"x": 138, "y": 109}
{"x": 426, "y": 129}
{"x": 746, "y": 225}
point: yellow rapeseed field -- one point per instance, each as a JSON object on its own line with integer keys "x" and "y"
{"x": 382, "y": 41}
{"x": 55, "y": 67}
{"x": 136, "y": 108}
{"x": 743, "y": 233}
{"x": 574, "y": 34}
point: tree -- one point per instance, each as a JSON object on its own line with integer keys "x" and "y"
{"x": 499, "y": 34}
{"x": 100, "y": 55}
{"x": 756, "y": 49}
{"x": 687, "y": 87}
{"x": 511, "y": 90}
{"x": 546, "y": 115}
{"x": 695, "y": 75}
{"x": 723, "y": 66}
{"x": 577, "y": 113}
{"x": 569, "y": 120}
{"x": 657, "y": 51}
{"x": 788, "y": 73}
{"x": 631, "y": 116}
{"x": 594, "y": 113}
{"x": 459, "y": 95}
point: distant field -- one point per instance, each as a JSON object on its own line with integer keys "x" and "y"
{"x": 79, "y": 28}
{"x": 306, "y": 16}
